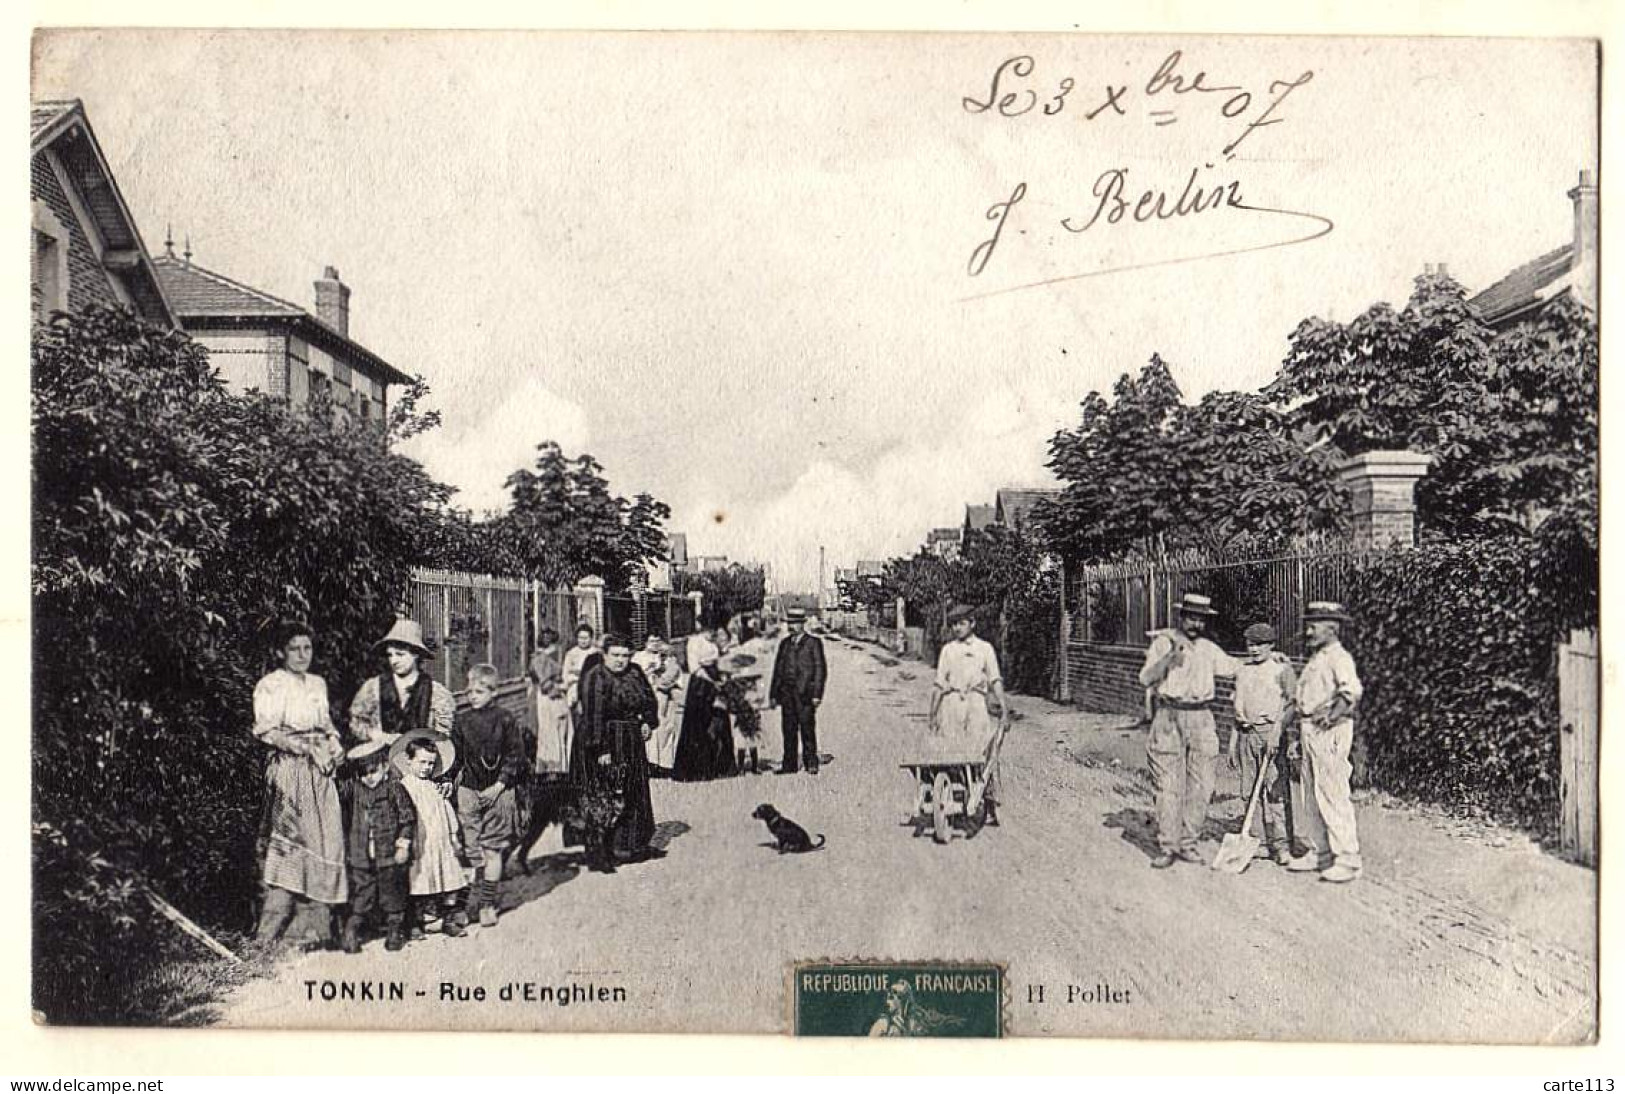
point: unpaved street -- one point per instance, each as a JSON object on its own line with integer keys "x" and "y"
{"x": 1454, "y": 934}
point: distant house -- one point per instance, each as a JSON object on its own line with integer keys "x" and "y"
{"x": 1013, "y": 506}
{"x": 1569, "y": 270}
{"x": 257, "y": 341}
{"x": 943, "y": 542}
{"x": 977, "y": 518}
{"x": 86, "y": 247}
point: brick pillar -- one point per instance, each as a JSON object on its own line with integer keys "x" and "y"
{"x": 1382, "y": 493}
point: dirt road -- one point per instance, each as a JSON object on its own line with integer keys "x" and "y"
{"x": 1454, "y": 933}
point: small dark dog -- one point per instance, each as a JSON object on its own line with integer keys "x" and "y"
{"x": 791, "y": 836}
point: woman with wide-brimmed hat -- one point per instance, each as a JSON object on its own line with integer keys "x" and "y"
{"x": 609, "y": 769}
{"x": 302, "y": 835}
{"x": 402, "y": 697}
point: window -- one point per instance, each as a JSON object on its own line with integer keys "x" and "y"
{"x": 49, "y": 263}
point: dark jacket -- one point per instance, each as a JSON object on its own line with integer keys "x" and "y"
{"x": 490, "y": 747}
{"x": 378, "y": 815}
{"x": 798, "y": 670}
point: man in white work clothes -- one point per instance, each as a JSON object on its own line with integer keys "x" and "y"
{"x": 1328, "y": 692}
{"x": 967, "y": 674}
{"x": 1183, "y": 748}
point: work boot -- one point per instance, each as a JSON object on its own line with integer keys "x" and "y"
{"x": 1164, "y": 860}
{"x": 396, "y": 938}
{"x": 992, "y": 817}
{"x": 1305, "y": 863}
{"x": 351, "y": 940}
{"x": 1340, "y": 873}
{"x": 455, "y": 924}
{"x": 1190, "y": 854}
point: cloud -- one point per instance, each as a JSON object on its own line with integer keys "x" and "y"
{"x": 476, "y": 453}
{"x": 885, "y": 509}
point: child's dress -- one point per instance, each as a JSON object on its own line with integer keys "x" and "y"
{"x": 437, "y": 866}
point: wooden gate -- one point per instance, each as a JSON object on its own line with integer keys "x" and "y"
{"x": 1578, "y": 676}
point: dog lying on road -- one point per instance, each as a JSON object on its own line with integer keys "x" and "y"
{"x": 791, "y": 836}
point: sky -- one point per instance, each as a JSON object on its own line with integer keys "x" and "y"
{"x": 735, "y": 267}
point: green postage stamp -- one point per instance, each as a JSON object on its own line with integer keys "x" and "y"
{"x": 886, "y": 999}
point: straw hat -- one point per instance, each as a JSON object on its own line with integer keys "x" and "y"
{"x": 405, "y": 632}
{"x": 1319, "y": 610}
{"x": 447, "y": 752}
{"x": 1196, "y": 604}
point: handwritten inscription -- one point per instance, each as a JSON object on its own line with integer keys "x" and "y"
{"x": 1019, "y": 86}
{"x": 1016, "y": 90}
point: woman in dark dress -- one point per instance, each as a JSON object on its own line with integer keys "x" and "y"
{"x": 609, "y": 769}
{"x": 705, "y": 746}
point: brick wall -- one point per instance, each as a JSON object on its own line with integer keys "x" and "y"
{"x": 88, "y": 281}
{"x": 1107, "y": 679}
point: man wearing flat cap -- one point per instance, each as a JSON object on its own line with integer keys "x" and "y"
{"x": 1183, "y": 747}
{"x": 1266, "y": 691}
{"x": 799, "y": 674}
{"x": 1328, "y": 692}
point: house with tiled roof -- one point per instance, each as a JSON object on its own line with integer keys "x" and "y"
{"x": 257, "y": 341}
{"x": 87, "y": 249}
{"x": 1569, "y": 270}
{"x": 1013, "y": 505}
{"x": 977, "y": 518}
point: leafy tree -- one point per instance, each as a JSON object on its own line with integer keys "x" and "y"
{"x": 724, "y": 593}
{"x": 1146, "y": 472}
{"x": 173, "y": 523}
{"x": 564, "y": 524}
{"x": 1510, "y": 418}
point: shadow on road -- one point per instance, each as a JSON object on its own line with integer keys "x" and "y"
{"x": 1139, "y": 828}
{"x": 666, "y": 831}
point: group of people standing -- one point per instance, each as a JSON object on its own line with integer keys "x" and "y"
{"x": 1294, "y": 734}
{"x": 412, "y": 820}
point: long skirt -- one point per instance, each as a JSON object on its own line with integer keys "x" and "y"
{"x": 303, "y": 831}
{"x": 613, "y": 799}
{"x": 552, "y": 735}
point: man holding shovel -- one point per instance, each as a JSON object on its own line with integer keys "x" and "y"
{"x": 1183, "y": 747}
{"x": 1266, "y": 690}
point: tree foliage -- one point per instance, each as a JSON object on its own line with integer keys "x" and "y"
{"x": 563, "y": 523}
{"x": 1147, "y": 472}
{"x": 173, "y": 524}
{"x": 1510, "y": 417}
{"x": 724, "y": 593}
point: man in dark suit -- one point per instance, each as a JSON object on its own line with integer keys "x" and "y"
{"x": 798, "y": 688}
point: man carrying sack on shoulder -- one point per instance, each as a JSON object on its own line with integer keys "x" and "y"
{"x": 1183, "y": 748}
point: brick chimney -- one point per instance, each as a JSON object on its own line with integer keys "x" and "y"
{"x": 333, "y": 301}
{"x": 1382, "y": 492}
{"x": 1584, "y": 197}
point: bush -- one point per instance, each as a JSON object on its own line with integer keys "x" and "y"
{"x": 173, "y": 524}
{"x": 1456, "y": 648}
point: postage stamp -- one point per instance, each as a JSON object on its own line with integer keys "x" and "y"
{"x": 885, "y": 999}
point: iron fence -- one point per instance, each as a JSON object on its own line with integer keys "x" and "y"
{"x": 1122, "y": 603}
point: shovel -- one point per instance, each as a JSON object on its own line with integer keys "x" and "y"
{"x": 1236, "y": 850}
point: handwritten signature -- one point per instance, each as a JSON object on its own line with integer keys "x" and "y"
{"x": 1112, "y": 207}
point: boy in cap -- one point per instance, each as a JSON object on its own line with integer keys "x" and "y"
{"x": 379, "y": 824}
{"x": 1266, "y": 691}
{"x": 1183, "y": 746}
{"x": 1328, "y": 692}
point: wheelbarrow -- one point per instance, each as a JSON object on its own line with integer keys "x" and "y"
{"x": 951, "y": 786}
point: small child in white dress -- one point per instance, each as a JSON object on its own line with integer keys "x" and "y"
{"x": 437, "y": 875}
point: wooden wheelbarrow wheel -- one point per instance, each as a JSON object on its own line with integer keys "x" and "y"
{"x": 941, "y": 797}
